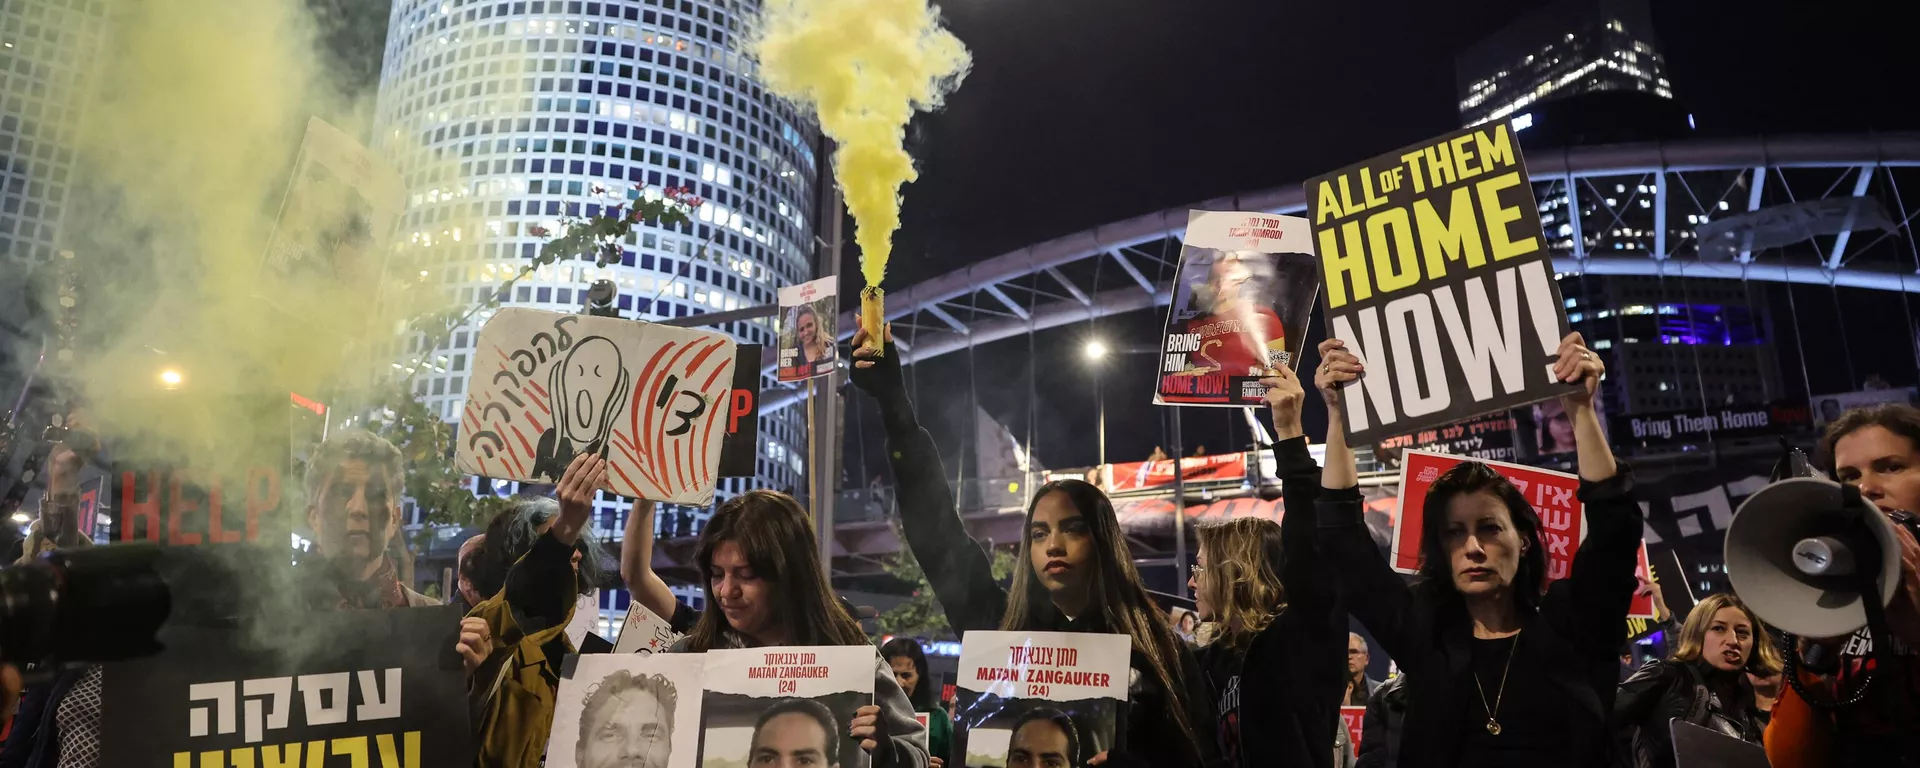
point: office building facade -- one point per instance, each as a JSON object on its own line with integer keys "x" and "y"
{"x": 47, "y": 51}
{"x": 1569, "y": 48}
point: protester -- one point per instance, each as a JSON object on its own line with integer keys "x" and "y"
{"x": 1078, "y": 577}
{"x": 1273, "y": 633}
{"x": 1498, "y": 673}
{"x": 767, "y": 587}
{"x": 58, "y": 524}
{"x": 1359, "y": 686}
{"x": 1704, "y": 682}
{"x": 636, "y": 568}
{"x": 1877, "y": 450}
{"x": 1380, "y": 726}
{"x": 536, "y": 562}
{"x": 909, "y": 663}
{"x": 353, "y": 485}
{"x": 1766, "y": 689}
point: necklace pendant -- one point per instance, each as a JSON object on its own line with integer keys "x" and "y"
{"x": 1493, "y": 726}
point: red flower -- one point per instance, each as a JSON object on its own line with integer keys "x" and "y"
{"x": 537, "y": 231}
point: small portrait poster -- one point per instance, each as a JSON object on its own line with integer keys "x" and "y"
{"x": 644, "y": 632}
{"x": 627, "y": 711}
{"x": 1244, "y": 289}
{"x": 1033, "y": 699}
{"x": 785, "y": 705}
{"x": 809, "y": 329}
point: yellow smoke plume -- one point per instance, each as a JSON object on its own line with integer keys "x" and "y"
{"x": 865, "y": 66}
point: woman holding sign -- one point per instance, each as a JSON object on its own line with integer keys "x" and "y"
{"x": 1276, "y": 645}
{"x": 766, "y": 587}
{"x": 1078, "y": 577}
{"x": 1502, "y": 669}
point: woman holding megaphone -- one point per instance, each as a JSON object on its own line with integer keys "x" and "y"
{"x": 1502, "y": 669}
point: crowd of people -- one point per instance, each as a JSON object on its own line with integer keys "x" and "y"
{"x": 1496, "y": 665}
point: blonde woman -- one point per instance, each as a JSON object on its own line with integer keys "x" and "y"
{"x": 1704, "y": 682}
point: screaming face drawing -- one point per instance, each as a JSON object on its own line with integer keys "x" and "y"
{"x": 587, "y": 388}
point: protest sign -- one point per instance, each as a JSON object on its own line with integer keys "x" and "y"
{"x": 1147, "y": 475}
{"x": 1552, "y": 494}
{"x": 1038, "y": 698}
{"x": 621, "y": 710}
{"x": 1354, "y": 720}
{"x": 781, "y": 705}
{"x": 647, "y": 398}
{"x": 1491, "y": 436}
{"x": 809, "y": 326}
{"x": 329, "y": 244}
{"x": 180, "y": 490}
{"x": 1437, "y": 277}
{"x": 377, "y": 689}
{"x": 644, "y": 632}
{"x": 1241, "y": 299}
{"x": 1828, "y": 408}
{"x": 741, "y": 446}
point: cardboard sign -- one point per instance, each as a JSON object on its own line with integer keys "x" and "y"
{"x": 619, "y": 710}
{"x": 363, "y": 688}
{"x": 741, "y": 447}
{"x": 809, "y": 329}
{"x": 1024, "y": 695}
{"x": 1554, "y": 496}
{"x": 644, "y": 632}
{"x": 651, "y": 399}
{"x": 1438, "y": 278}
{"x": 1354, "y": 718}
{"x": 1491, "y": 436}
{"x": 1242, "y": 296}
{"x": 329, "y": 244}
{"x": 785, "y": 700}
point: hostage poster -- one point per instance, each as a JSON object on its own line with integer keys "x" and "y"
{"x": 1553, "y": 495}
{"x": 1038, "y": 698}
{"x": 347, "y": 689}
{"x": 809, "y": 320}
{"x": 625, "y": 710}
{"x": 1438, "y": 278}
{"x": 785, "y": 705}
{"x": 1241, "y": 299}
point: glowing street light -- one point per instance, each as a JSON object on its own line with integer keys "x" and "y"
{"x": 170, "y": 379}
{"x": 1096, "y": 349}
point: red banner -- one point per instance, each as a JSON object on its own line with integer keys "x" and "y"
{"x": 1352, "y": 718}
{"x": 1143, "y": 475}
{"x": 1552, "y": 494}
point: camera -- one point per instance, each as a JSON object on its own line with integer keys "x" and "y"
{"x": 97, "y": 604}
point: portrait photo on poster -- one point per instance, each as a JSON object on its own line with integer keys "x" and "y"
{"x": 789, "y": 705}
{"x": 627, "y": 711}
{"x": 809, "y": 330}
{"x": 995, "y": 732}
{"x": 1038, "y": 699}
{"x": 1242, "y": 295}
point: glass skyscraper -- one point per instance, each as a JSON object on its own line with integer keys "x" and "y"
{"x": 504, "y": 116}
{"x": 1568, "y": 48}
{"x": 47, "y": 51}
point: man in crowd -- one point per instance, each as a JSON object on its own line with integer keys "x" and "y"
{"x": 794, "y": 733}
{"x": 353, "y": 506}
{"x": 628, "y": 723}
{"x": 1044, "y": 738}
{"x": 1359, "y": 686}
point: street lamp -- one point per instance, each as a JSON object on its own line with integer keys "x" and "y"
{"x": 1096, "y": 350}
{"x": 170, "y": 379}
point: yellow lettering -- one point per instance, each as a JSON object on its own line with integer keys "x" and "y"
{"x": 240, "y": 758}
{"x": 1497, "y": 151}
{"x": 183, "y": 760}
{"x": 355, "y": 748}
{"x": 1396, "y": 264}
{"x": 1346, "y": 197}
{"x": 1342, "y": 265}
{"x": 1451, "y": 239}
{"x": 316, "y": 754}
{"x": 1499, "y": 240}
{"x": 1463, "y": 157}
{"x": 1366, "y": 189}
{"x": 409, "y": 747}
{"x": 1328, "y": 205}
{"x": 1440, "y": 165}
{"x": 1412, "y": 159}
{"x": 280, "y": 755}
{"x": 213, "y": 759}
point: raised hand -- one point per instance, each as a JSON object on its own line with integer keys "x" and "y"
{"x": 876, "y": 373}
{"x": 1285, "y": 397}
{"x": 476, "y": 643}
{"x": 869, "y": 727}
{"x": 585, "y": 475}
{"x": 1338, "y": 367}
{"x": 1578, "y": 364}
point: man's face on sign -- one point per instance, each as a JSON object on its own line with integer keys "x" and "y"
{"x": 627, "y": 730}
{"x": 355, "y": 517}
{"x": 1039, "y": 744}
{"x": 791, "y": 740}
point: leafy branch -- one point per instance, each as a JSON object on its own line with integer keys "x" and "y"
{"x": 921, "y": 615}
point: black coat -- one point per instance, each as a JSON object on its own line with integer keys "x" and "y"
{"x": 962, "y": 578}
{"x": 1380, "y": 729}
{"x": 1662, "y": 691}
{"x": 1289, "y": 677}
{"x": 1573, "y": 639}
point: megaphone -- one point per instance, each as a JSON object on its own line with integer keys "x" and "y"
{"x": 1797, "y": 553}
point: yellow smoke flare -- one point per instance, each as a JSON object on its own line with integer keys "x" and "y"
{"x": 865, "y": 66}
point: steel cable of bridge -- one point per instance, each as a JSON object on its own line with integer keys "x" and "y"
{"x": 1799, "y": 341}
{"x": 1893, "y": 184}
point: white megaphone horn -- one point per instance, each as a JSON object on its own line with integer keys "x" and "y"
{"x": 1796, "y": 551}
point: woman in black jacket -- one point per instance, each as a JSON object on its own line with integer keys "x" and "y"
{"x": 1276, "y": 644}
{"x": 1078, "y": 577}
{"x": 1703, "y": 683}
{"x": 1498, "y": 674}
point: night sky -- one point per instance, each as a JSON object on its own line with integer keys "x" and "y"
{"x": 1080, "y": 112}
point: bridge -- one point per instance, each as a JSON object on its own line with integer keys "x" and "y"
{"x": 1640, "y": 206}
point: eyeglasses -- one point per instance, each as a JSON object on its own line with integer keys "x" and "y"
{"x": 1196, "y": 570}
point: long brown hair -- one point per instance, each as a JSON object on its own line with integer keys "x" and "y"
{"x": 1114, "y": 591}
{"x": 776, "y": 536}
{"x": 1243, "y": 577}
{"x": 1765, "y": 659}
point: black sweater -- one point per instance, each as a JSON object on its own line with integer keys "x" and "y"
{"x": 962, "y": 578}
{"x": 1570, "y": 645}
{"x": 1288, "y": 680}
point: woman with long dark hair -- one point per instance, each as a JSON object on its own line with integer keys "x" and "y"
{"x": 1704, "y": 682}
{"x": 1076, "y": 576}
{"x": 1502, "y": 669}
{"x": 909, "y": 663}
{"x": 767, "y": 587}
{"x": 1274, "y": 642}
